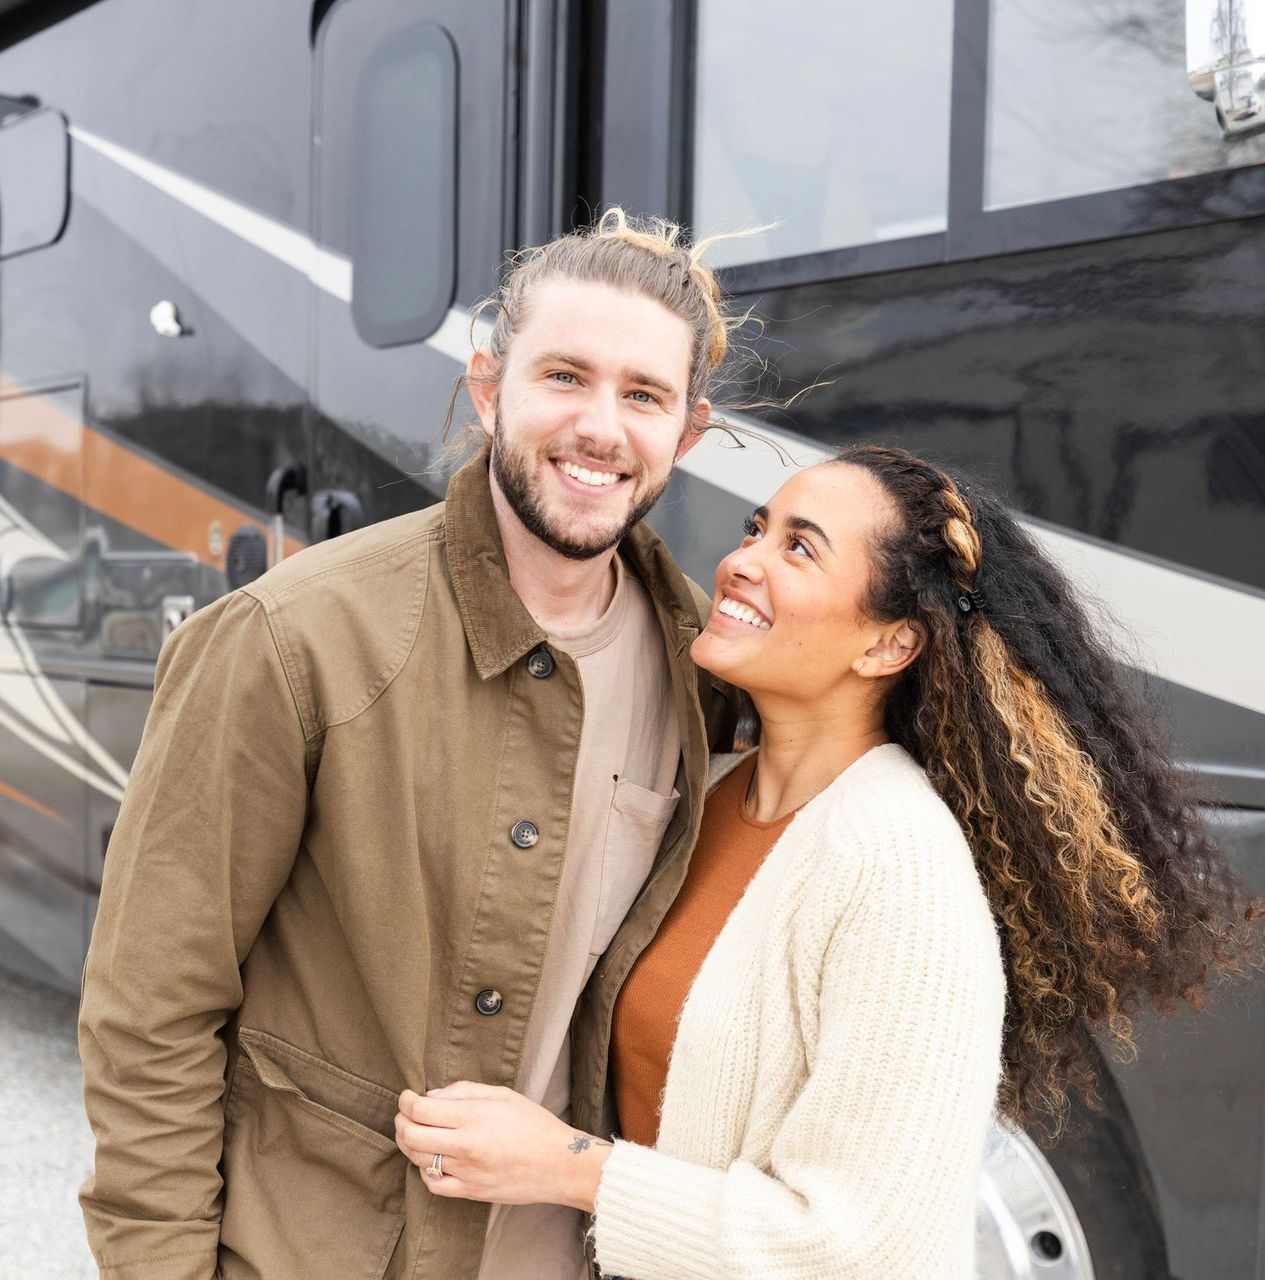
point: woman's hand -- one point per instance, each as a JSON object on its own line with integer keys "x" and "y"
{"x": 498, "y": 1147}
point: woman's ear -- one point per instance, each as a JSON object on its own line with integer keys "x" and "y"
{"x": 899, "y": 644}
{"x": 484, "y": 387}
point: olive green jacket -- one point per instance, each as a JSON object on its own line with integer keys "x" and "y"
{"x": 313, "y": 899}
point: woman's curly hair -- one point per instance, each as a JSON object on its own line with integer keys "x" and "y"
{"x": 1107, "y": 891}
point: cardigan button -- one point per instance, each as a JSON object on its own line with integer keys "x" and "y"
{"x": 489, "y": 1002}
{"x": 524, "y": 833}
{"x": 540, "y": 664}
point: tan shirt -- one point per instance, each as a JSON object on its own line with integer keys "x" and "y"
{"x": 629, "y": 750}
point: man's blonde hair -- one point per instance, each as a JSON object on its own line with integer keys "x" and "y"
{"x": 649, "y": 256}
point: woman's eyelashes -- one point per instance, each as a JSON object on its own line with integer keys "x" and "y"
{"x": 794, "y": 543}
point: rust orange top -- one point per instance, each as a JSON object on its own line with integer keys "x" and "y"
{"x": 730, "y": 849}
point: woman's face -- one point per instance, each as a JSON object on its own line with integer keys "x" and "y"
{"x": 787, "y": 613}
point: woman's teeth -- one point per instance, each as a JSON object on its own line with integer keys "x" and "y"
{"x": 741, "y": 612}
{"x": 585, "y": 476}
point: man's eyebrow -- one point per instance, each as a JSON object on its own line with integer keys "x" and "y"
{"x": 648, "y": 380}
{"x": 562, "y": 357}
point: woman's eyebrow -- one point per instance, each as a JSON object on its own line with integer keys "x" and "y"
{"x": 803, "y": 525}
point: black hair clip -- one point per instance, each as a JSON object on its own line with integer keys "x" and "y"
{"x": 970, "y": 601}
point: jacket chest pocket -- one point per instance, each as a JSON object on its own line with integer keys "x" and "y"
{"x": 634, "y": 830}
{"x": 313, "y": 1185}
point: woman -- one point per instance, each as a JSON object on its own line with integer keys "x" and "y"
{"x": 957, "y": 848}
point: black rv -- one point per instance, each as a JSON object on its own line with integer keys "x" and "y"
{"x": 238, "y": 244}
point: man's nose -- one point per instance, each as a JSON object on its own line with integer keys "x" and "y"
{"x": 599, "y": 423}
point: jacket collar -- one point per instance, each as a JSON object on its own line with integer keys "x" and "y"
{"x": 499, "y": 630}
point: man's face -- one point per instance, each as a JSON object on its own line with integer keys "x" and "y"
{"x": 589, "y": 414}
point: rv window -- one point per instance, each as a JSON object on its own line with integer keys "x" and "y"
{"x": 833, "y": 122}
{"x": 403, "y": 187}
{"x": 1086, "y": 97}
{"x": 34, "y": 181}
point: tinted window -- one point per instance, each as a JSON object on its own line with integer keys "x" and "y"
{"x": 1092, "y": 95}
{"x": 34, "y": 181}
{"x": 402, "y": 215}
{"x": 832, "y": 120}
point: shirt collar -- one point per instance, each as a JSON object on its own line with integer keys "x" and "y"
{"x": 499, "y": 630}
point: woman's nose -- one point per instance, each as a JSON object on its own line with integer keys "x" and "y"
{"x": 743, "y": 563}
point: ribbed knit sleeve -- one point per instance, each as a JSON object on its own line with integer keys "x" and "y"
{"x": 874, "y": 1169}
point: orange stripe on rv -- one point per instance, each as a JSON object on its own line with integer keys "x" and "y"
{"x": 12, "y": 793}
{"x": 51, "y": 445}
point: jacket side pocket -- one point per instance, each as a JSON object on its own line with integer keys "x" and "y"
{"x": 313, "y": 1184}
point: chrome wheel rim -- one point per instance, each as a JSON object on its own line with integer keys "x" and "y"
{"x": 1026, "y": 1226}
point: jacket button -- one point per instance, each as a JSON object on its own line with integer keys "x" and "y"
{"x": 488, "y": 1002}
{"x": 540, "y": 664}
{"x": 524, "y": 834}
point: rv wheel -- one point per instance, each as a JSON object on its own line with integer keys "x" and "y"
{"x": 1080, "y": 1210}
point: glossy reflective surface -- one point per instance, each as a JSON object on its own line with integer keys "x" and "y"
{"x": 1111, "y": 388}
{"x": 852, "y": 148}
{"x": 1092, "y": 96}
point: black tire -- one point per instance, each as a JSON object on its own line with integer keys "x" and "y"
{"x": 1102, "y": 1168}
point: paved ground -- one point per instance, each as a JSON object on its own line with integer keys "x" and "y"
{"x": 45, "y": 1143}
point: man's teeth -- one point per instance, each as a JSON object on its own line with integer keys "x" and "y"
{"x": 742, "y": 612}
{"x": 585, "y": 476}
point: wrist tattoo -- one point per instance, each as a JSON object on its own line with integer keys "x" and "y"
{"x": 583, "y": 1141}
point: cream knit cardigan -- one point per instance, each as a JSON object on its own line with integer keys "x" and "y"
{"x": 836, "y": 1062}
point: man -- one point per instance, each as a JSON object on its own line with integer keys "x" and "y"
{"x": 394, "y": 801}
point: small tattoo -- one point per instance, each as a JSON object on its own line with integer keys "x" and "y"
{"x": 583, "y": 1141}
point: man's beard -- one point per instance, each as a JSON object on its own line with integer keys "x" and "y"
{"x": 512, "y": 470}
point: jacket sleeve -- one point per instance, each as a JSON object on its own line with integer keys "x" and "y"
{"x": 206, "y": 836}
{"x": 874, "y": 1170}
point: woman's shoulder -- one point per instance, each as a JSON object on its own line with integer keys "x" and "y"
{"x": 883, "y": 815}
{"x": 892, "y": 861}
{"x": 887, "y": 784}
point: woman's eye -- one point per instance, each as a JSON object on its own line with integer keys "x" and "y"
{"x": 798, "y": 547}
{"x": 750, "y": 528}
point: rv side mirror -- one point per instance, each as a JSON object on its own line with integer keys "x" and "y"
{"x": 1225, "y": 60}
{"x": 34, "y": 180}
{"x": 42, "y": 591}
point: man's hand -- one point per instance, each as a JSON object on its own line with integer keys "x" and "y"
{"x": 498, "y": 1147}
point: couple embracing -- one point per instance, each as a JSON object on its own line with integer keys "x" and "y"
{"x": 443, "y": 933}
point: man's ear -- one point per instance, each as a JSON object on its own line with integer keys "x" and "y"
{"x": 695, "y": 427}
{"x": 484, "y": 387}
{"x": 899, "y": 644}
